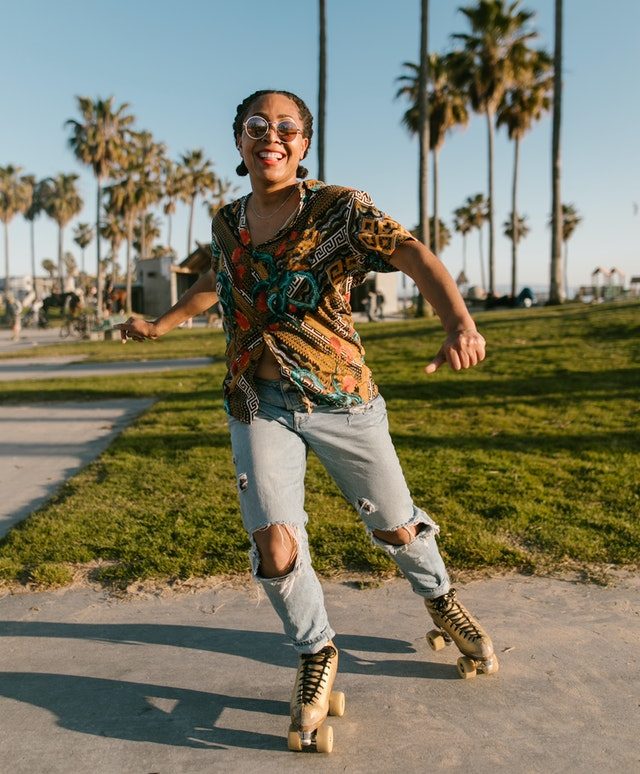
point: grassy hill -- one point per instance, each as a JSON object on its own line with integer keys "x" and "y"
{"x": 530, "y": 461}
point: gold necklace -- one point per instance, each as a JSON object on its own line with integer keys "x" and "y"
{"x": 275, "y": 212}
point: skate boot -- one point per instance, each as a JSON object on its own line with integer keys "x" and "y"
{"x": 456, "y": 624}
{"x": 312, "y": 700}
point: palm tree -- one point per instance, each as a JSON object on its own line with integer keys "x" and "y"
{"x": 172, "y": 190}
{"x": 423, "y": 140}
{"x": 198, "y": 179}
{"x": 322, "y": 84}
{"x": 556, "y": 294}
{"x": 447, "y": 109}
{"x": 222, "y": 194}
{"x": 124, "y": 198}
{"x": 487, "y": 65}
{"x": 571, "y": 219}
{"x": 82, "y": 236}
{"x": 148, "y": 157}
{"x": 463, "y": 225}
{"x": 49, "y": 266}
{"x": 114, "y": 231}
{"x": 61, "y": 201}
{"x": 521, "y": 230}
{"x": 147, "y": 228}
{"x": 30, "y": 214}
{"x": 521, "y": 105}
{"x": 16, "y": 194}
{"x": 99, "y": 140}
{"x": 478, "y": 208}
{"x": 70, "y": 264}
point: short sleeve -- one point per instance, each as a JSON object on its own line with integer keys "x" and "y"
{"x": 373, "y": 234}
{"x": 215, "y": 249}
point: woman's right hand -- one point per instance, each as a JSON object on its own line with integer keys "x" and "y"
{"x": 136, "y": 329}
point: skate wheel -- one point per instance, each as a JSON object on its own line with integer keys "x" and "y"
{"x": 466, "y": 667}
{"x": 294, "y": 742}
{"x": 324, "y": 739}
{"x": 436, "y": 640}
{"x": 491, "y": 666}
{"x": 336, "y": 704}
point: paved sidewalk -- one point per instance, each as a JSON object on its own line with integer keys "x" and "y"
{"x": 43, "y": 445}
{"x": 200, "y": 682}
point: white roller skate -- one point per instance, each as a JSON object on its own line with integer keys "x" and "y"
{"x": 312, "y": 700}
{"x": 456, "y": 624}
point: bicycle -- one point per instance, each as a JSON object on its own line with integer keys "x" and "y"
{"x": 79, "y": 326}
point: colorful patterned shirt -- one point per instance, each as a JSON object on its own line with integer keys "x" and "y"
{"x": 291, "y": 294}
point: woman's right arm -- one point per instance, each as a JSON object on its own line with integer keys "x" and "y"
{"x": 200, "y": 296}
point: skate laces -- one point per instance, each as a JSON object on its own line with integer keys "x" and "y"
{"x": 449, "y": 607}
{"x": 314, "y": 671}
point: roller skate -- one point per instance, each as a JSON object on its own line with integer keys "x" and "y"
{"x": 312, "y": 700}
{"x": 456, "y": 624}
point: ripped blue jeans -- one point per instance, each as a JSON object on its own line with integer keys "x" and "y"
{"x": 355, "y": 447}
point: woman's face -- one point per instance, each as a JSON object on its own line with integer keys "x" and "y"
{"x": 271, "y": 161}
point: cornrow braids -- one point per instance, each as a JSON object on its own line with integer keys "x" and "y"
{"x": 243, "y": 110}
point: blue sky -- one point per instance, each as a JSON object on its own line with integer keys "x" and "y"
{"x": 184, "y": 66}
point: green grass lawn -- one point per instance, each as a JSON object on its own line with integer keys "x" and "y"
{"x": 530, "y": 462}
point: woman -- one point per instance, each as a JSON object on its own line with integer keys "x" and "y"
{"x": 284, "y": 260}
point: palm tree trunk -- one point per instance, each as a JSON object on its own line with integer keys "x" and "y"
{"x": 464, "y": 254}
{"x": 566, "y": 268}
{"x": 556, "y": 294}
{"x": 436, "y": 214}
{"x": 482, "y": 277}
{"x": 114, "y": 266}
{"x": 514, "y": 220}
{"x": 32, "y": 239}
{"x": 169, "y": 231}
{"x": 60, "y": 266}
{"x": 322, "y": 86}
{"x": 423, "y": 138}
{"x": 190, "y": 225}
{"x": 491, "y": 218}
{"x": 99, "y": 283}
{"x": 129, "y": 279}
{"x": 6, "y": 257}
{"x": 143, "y": 235}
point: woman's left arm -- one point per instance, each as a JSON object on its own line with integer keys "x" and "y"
{"x": 463, "y": 347}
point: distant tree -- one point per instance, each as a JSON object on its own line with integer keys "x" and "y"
{"x": 222, "y": 194}
{"x": 98, "y": 139}
{"x": 114, "y": 231}
{"x": 322, "y": 85}
{"x": 556, "y": 292}
{"x": 61, "y": 201}
{"x": 478, "y": 212}
{"x": 16, "y": 194}
{"x": 571, "y": 219}
{"x": 82, "y": 236}
{"x": 148, "y": 228}
{"x": 199, "y": 179}
{"x": 70, "y": 264}
{"x": 172, "y": 190}
{"x": 463, "y": 225}
{"x": 447, "y": 109}
{"x": 147, "y": 157}
{"x": 486, "y": 66}
{"x": 523, "y": 103}
{"x": 521, "y": 231}
{"x": 30, "y": 214}
{"x": 50, "y": 267}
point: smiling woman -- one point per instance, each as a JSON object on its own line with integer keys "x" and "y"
{"x": 285, "y": 258}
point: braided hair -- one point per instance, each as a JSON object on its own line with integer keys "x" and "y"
{"x": 305, "y": 115}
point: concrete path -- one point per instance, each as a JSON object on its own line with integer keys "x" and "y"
{"x": 71, "y": 367}
{"x": 200, "y": 682}
{"x": 43, "y": 445}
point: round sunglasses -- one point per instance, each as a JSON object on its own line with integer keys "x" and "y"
{"x": 257, "y": 127}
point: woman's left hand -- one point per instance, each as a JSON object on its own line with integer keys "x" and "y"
{"x": 461, "y": 349}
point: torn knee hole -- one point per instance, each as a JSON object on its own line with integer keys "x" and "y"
{"x": 401, "y": 536}
{"x": 243, "y": 482}
{"x": 277, "y": 547}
